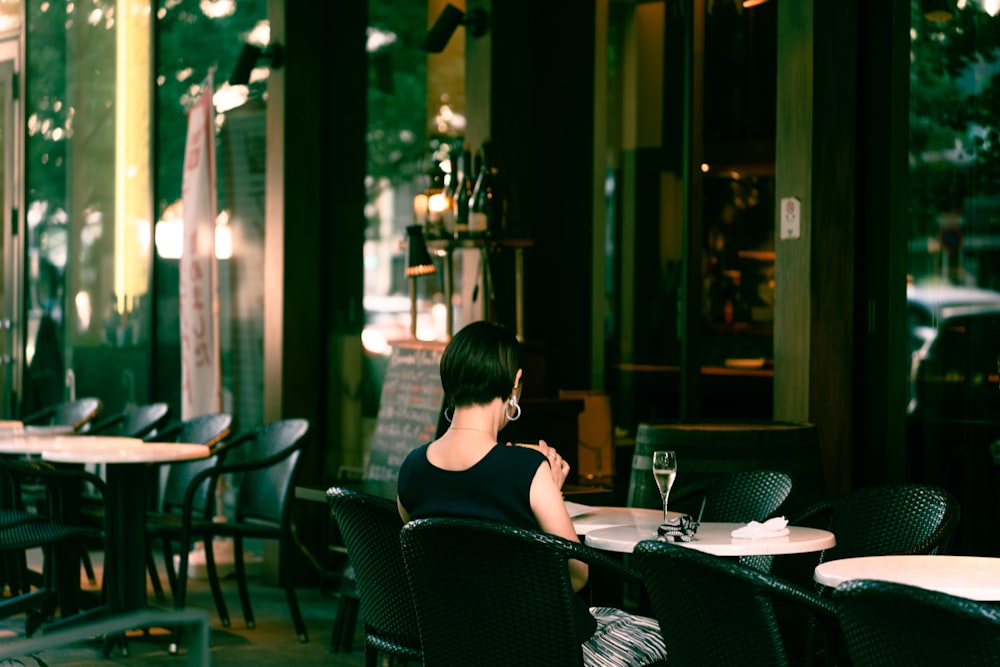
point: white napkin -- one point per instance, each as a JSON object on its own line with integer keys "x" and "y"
{"x": 776, "y": 527}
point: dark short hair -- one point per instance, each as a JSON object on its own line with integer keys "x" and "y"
{"x": 479, "y": 364}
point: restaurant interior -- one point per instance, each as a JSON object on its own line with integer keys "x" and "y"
{"x": 765, "y": 223}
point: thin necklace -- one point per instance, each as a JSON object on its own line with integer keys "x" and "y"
{"x": 469, "y": 428}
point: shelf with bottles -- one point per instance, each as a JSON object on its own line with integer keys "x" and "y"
{"x": 739, "y": 249}
{"x": 464, "y": 197}
{"x": 487, "y": 242}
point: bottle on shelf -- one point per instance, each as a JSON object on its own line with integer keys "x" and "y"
{"x": 481, "y": 202}
{"x": 498, "y": 203}
{"x": 450, "y": 193}
{"x": 434, "y": 224}
{"x": 463, "y": 190}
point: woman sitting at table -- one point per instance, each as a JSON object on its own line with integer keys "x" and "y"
{"x": 468, "y": 473}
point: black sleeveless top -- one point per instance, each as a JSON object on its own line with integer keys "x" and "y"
{"x": 496, "y": 488}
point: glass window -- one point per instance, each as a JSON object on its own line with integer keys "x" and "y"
{"x": 733, "y": 215}
{"x": 416, "y": 123}
{"x": 953, "y": 288}
{"x": 87, "y": 207}
{"x": 195, "y": 38}
{"x": 90, "y": 178}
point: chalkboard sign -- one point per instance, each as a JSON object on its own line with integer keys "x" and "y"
{"x": 410, "y": 410}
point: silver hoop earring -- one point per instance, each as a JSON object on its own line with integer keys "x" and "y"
{"x": 512, "y": 403}
{"x": 447, "y": 416}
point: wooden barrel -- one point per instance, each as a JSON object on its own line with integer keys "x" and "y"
{"x": 708, "y": 449}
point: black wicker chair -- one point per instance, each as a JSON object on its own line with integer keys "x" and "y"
{"x": 54, "y": 526}
{"x": 739, "y": 497}
{"x": 893, "y": 624}
{"x": 370, "y": 529}
{"x": 164, "y": 522}
{"x": 872, "y": 521}
{"x": 266, "y": 459}
{"x": 875, "y": 521}
{"x": 77, "y": 413}
{"x": 715, "y": 611}
{"x": 137, "y": 422}
{"x": 748, "y": 495}
{"x": 489, "y": 594}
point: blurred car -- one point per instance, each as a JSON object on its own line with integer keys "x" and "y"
{"x": 925, "y": 304}
{"x": 955, "y": 350}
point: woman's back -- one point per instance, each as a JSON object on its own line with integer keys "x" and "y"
{"x": 497, "y": 487}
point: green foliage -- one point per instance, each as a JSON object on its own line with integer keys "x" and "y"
{"x": 953, "y": 102}
{"x": 188, "y": 45}
{"x": 397, "y": 114}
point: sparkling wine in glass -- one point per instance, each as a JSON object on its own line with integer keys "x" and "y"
{"x": 664, "y": 471}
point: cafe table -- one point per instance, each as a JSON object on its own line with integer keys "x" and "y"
{"x": 973, "y": 577}
{"x": 126, "y": 460}
{"x": 30, "y": 440}
{"x": 631, "y": 527}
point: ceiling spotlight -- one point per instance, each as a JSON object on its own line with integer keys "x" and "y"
{"x": 249, "y": 56}
{"x": 476, "y": 20}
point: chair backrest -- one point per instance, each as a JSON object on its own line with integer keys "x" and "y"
{"x": 370, "y": 529}
{"x": 265, "y": 493}
{"x": 78, "y": 414}
{"x": 710, "y": 449}
{"x": 138, "y": 422}
{"x": 208, "y": 430}
{"x": 876, "y": 521}
{"x": 739, "y": 497}
{"x": 489, "y": 594}
{"x": 886, "y": 623}
{"x": 714, "y": 611}
{"x": 888, "y": 519}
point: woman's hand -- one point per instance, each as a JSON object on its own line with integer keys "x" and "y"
{"x": 559, "y": 466}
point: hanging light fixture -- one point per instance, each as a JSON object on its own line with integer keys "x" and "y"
{"x": 476, "y": 20}
{"x": 418, "y": 263}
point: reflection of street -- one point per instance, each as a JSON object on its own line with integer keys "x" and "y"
{"x": 954, "y": 347}
{"x": 953, "y": 423}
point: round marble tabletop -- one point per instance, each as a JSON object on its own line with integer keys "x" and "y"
{"x": 973, "y": 577}
{"x": 609, "y": 517}
{"x": 103, "y": 449}
{"x": 41, "y": 442}
{"x": 713, "y": 538}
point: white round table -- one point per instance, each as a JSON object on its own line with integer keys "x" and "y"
{"x": 609, "y": 517}
{"x": 973, "y": 577}
{"x": 713, "y": 538}
{"x": 125, "y": 459}
{"x": 33, "y": 439}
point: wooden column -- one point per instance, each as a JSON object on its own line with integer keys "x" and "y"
{"x": 315, "y": 231}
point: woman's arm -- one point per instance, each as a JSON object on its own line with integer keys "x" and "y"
{"x": 403, "y": 514}
{"x": 550, "y": 512}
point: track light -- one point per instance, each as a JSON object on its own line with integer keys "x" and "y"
{"x": 249, "y": 56}
{"x": 476, "y": 20}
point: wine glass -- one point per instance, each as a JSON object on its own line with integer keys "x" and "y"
{"x": 664, "y": 471}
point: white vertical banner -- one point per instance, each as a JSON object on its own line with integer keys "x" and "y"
{"x": 201, "y": 383}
